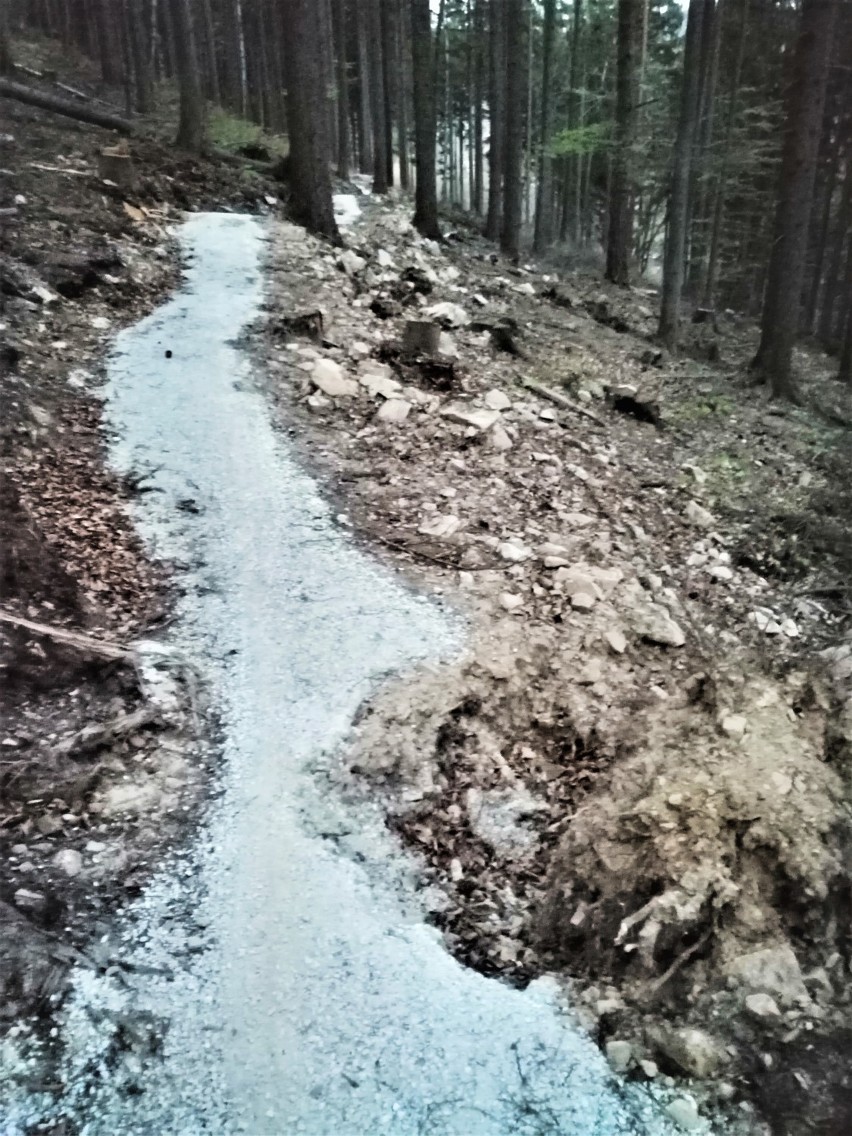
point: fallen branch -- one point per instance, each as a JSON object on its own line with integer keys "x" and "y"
{"x": 24, "y": 94}
{"x": 561, "y": 400}
{"x": 85, "y": 643}
{"x": 680, "y": 961}
{"x": 104, "y": 734}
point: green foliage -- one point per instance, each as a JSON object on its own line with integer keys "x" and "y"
{"x": 230, "y": 132}
{"x": 581, "y": 140}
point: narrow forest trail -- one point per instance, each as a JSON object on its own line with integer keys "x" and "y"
{"x": 281, "y": 977}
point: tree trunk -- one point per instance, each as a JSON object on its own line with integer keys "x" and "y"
{"x": 620, "y": 235}
{"x": 191, "y": 126}
{"x": 831, "y": 289}
{"x": 140, "y": 50}
{"x": 339, "y": 14}
{"x": 307, "y": 118}
{"x": 805, "y": 100}
{"x": 365, "y": 114}
{"x": 402, "y": 40}
{"x": 211, "y": 70}
{"x": 496, "y": 118}
{"x": 673, "y": 262}
{"x": 390, "y": 68}
{"x": 5, "y": 39}
{"x": 516, "y": 90}
{"x": 574, "y": 166}
{"x": 478, "y": 95}
{"x": 699, "y": 245}
{"x": 709, "y": 291}
{"x": 425, "y": 124}
{"x": 377, "y": 97}
{"x": 543, "y": 218}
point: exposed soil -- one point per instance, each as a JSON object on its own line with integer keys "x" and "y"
{"x": 638, "y": 774}
{"x": 102, "y": 761}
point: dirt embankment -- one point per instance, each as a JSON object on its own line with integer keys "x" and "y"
{"x": 99, "y": 759}
{"x": 638, "y": 774}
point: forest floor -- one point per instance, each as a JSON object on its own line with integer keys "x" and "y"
{"x": 101, "y": 764}
{"x": 638, "y": 773}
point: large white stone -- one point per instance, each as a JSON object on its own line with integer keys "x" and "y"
{"x": 328, "y": 376}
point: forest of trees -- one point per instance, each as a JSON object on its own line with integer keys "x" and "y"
{"x": 709, "y": 148}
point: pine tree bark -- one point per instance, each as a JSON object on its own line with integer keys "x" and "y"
{"x": 339, "y": 14}
{"x": 365, "y": 115}
{"x": 425, "y": 122}
{"x": 390, "y": 67}
{"x": 191, "y": 124}
{"x": 673, "y": 262}
{"x": 478, "y": 95}
{"x": 543, "y": 214}
{"x": 402, "y": 40}
{"x": 140, "y": 50}
{"x": 516, "y": 92}
{"x": 307, "y": 119}
{"x": 496, "y": 118}
{"x": 804, "y": 107}
{"x": 622, "y": 193}
{"x": 377, "y": 96}
{"x": 5, "y": 39}
{"x": 831, "y": 288}
{"x": 211, "y": 69}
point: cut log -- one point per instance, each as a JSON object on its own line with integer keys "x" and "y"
{"x": 84, "y": 643}
{"x": 23, "y": 94}
{"x": 116, "y": 165}
{"x": 561, "y": 400}
{"x": 103, "y": 734}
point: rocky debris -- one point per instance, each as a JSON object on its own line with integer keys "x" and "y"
{"x": 693, "y": 1051}
{"x": 762, "y": 1006}
{"x": 771, "y": 970}
{"x": 616, "y": 640}
{"x": 448, "y": 314}
{"x": 697, "y": 515}
{"x": 394, "y": 410}
{"x": 479, "y": 420}
{"x": 351, "y": 263}
{"x": 684, "y": 1112}
{"x": 497, "y": 400}
{"x": 619, "y": 1054}
{"x": 499, "y": 439}
{"x": 652, "y": 622}
{"x": 328, "y": 377}
{"x": 642, "y": 405}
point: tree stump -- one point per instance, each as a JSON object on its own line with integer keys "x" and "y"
{"x": 421, "y": 337}
{"x": 115, "y": 164}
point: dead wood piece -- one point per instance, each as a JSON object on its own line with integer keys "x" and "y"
{"x": 103, "y": 734}
{"x": 561, "y": 400}
{"x": 30, "y": 97}
{"x": 85, "y": 643}
{"x": 308, "y": 325}
{"x": 116, "y": 165}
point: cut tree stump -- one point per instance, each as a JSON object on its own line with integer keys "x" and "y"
{"x": 421, "y": 337}
{"x": 115, "y": 164}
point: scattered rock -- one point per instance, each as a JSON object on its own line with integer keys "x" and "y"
{"x": 697, "y": 515}
{"x": 693, "y": 1051}
{"x": 616, "y": 640}
{"x": 774, "y": 971}
{"x": 68, "y": 861}
{"x": 499, "y": 439}
{"x": 734, "y": 725}
{"x": 394, "y": 410}
{"x": 328, "y": 376}
{"x": 513, "y": 551}
{"x": 497, "y": 400}
{"x": 510, "y": 601}
{"x": 481, "y": 420}
{"x": 762, "y": 1006}
{"x": 350, "y": 262}
{"x": 684, "y": 1112}
{"x": 654, "y": 623}
{"x": 582, "y": 601}
{"x": 440, "y": 525}
{"x": 619, "y": 1054}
